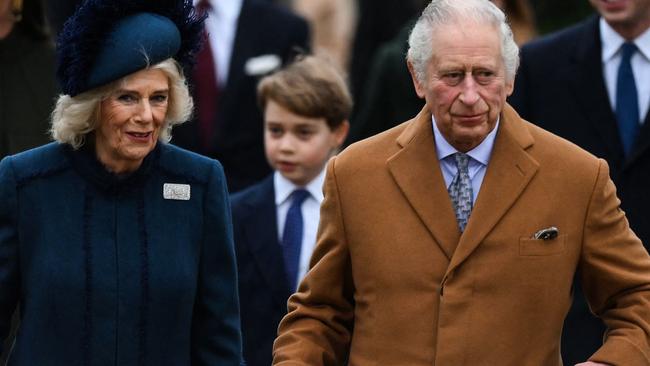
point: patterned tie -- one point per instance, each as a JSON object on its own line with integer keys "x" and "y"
{"x": 292, "y": 237}
{"x": 206, "y": 92}
{"x": 460, "y": 191}
{"x": 627, "y": 104}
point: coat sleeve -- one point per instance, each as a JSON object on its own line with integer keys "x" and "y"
{"x": 9, "y": 276}
{"x": 615, "y": 273}
{"x": 318, "y": 327}
{"x": 216, "y": 336}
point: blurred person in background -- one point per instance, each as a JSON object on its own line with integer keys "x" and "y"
{"x": 27, "y": 83}
{"x": 247, "y": 39}
{"x": 520, "y": 17}
{"x": 590, "y": 83}
{"x": 117, "y": 245}
{"x": 332, "y": 23}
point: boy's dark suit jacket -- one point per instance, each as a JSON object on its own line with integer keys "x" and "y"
{"x": 263, "y": 288}
{"x": 263, "y": 28}
{"x": 560, "y": 86}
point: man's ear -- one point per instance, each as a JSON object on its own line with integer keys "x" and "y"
{"x": 419, "y": 87}
{"x": 510, "y": 87}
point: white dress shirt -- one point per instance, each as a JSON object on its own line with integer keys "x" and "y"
{"x": 310, "y": 214}
{"x": 221, "y": 26}
{"x": 640, "y": 61}
{"x": 479, "y": 158}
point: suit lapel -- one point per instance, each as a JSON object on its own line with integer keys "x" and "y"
{"x": 262, "y": 235}
{"x": 588, "y": 85}
{"x": 509, "y": 171}
{"x": 642, "y": 143}
{"x": 416, "y": 171}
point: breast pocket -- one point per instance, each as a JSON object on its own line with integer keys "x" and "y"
{"x": 539, "y": 247}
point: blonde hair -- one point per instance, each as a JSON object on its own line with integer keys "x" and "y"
{"x": 310, "y": 87}
{"x": 75, "y": 117}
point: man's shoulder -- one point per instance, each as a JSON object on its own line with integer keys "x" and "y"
{"x": 562, "y": 40}
{"x": 375, "y": 148}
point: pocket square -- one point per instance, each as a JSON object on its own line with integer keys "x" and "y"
{"x": 549, "y": 233}
{"x": 261, "y": 65}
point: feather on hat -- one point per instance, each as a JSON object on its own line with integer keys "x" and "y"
{"x": 108, "y": 39}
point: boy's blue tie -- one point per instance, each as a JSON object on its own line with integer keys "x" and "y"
{"x": 627, "y": 104}
{"x": 292, "y": 237}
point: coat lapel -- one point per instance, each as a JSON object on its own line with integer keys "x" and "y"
{"x": 588, "y": 85}
{"x": 416, "y": 171}
{"x": 509, "y": 171}
{"x": 262, "y": 235}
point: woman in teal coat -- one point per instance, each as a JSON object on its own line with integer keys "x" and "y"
{"x": 116, "y": 245}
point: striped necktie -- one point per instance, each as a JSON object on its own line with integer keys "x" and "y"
{"x": 460, "y": 191}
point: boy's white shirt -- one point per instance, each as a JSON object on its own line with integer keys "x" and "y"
{"x": 310, "y": 214}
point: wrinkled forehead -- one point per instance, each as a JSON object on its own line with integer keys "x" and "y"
{"x": 470, "y": 39}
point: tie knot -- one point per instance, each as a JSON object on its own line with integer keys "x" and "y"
{"x": 462, "y": 161}
{"x": 298, "y": 196}
{"x": 627, "y": 50}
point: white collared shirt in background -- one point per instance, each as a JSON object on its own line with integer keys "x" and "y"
{"x": 221, "y": 25}
{"x": 640, "y": 61}
{"x": 310, "y": 214}
{"x": 479, "y": 158}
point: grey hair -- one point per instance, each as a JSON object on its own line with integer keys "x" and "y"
{"x": 445, "y": 12}
{"x": 75, "y": 117}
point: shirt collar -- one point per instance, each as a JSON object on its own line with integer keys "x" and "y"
{"x": 481, "y": 153}
{"x": 612, "y": 41}
{"x": 284, "y": 187}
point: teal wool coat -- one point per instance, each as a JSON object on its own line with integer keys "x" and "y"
{"x": 111, "y": 271}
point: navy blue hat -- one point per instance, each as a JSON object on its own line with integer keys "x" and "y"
{"x": 106, "y": 40}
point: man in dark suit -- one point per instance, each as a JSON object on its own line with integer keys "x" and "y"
{"x": 568, "y": 83}
{"x": 263, "y": 37}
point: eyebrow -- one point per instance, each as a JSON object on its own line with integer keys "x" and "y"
{"x": 124, "y": 90}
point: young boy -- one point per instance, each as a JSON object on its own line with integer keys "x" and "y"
{"x": 306, "y": 108}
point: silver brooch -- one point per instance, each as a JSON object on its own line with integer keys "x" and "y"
{"x": 179, "y": 192}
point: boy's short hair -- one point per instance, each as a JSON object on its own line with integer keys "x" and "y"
{"x": 310, "y": 87}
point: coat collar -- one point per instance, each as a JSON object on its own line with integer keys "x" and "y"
{"x": 85, "y": 162}
{"x": 416, "y": 171}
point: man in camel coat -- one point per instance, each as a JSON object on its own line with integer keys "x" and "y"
{"x": 453, "y": 239}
